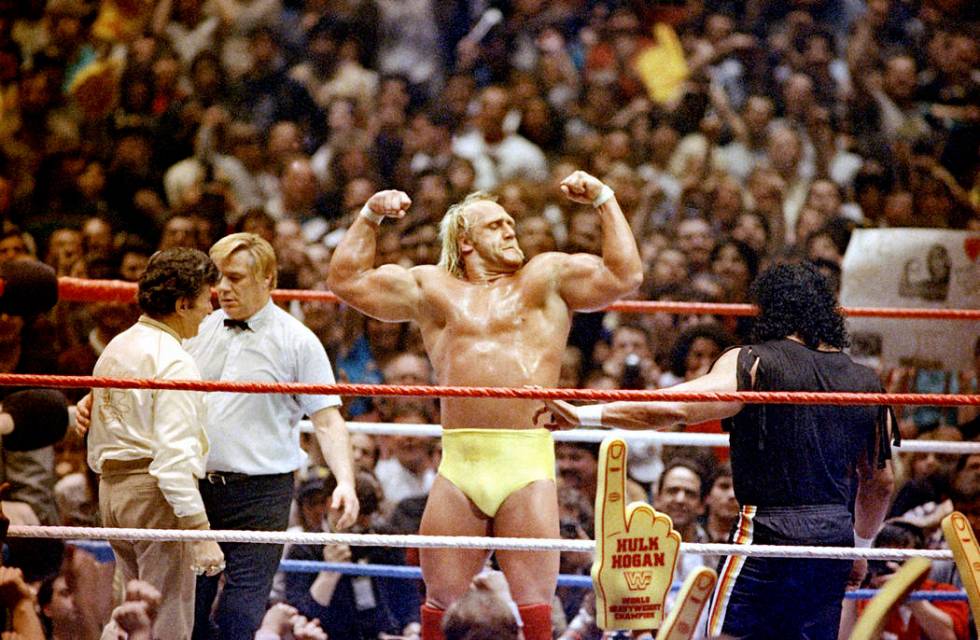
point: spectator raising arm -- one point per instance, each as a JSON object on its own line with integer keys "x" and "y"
{"x": 18, "y": 598}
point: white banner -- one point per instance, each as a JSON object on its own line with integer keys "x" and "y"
{"x": 920, "y": 269}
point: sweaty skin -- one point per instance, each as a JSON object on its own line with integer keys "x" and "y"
{"x": 503, "y": 323}
{"x": 507, "y": 332}
{"x": 507, "y": 322}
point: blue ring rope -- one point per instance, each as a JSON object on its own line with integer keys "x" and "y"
{"x": 103, "y": 553}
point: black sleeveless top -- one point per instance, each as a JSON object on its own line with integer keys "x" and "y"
{"x": 790, "y": 455}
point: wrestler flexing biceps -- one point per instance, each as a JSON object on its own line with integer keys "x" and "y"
{"x": 489, "y": 319}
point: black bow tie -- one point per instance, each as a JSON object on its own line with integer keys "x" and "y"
{"x": 231, "y": 323}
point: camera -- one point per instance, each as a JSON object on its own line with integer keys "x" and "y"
{"x": 877, "y": 568}
{"x": 569, "y": 529}
{"x": 632, "y": 377}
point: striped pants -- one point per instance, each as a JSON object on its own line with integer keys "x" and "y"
{"x": 783, "y": 597}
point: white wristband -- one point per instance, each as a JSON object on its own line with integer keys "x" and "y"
{"x": 604, "y": 195}
{"x": 517, "y": 613}
{"x": 590, "y": 415}
{"x": 862, "y": 543}
{"x": 376, "y": 218}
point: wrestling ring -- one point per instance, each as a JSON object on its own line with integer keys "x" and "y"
{"x": 93, "y": 538}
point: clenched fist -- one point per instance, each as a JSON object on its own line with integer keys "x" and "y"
{"x": 581, "y": 187}
{"x": 391, "y": 203}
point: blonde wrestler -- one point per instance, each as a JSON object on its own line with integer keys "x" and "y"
{"x": 488, "y": 318}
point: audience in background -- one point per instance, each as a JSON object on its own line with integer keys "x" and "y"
{"x": 788, "y": 126}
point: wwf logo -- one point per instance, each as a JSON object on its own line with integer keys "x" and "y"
{"x": 638, "y": 580}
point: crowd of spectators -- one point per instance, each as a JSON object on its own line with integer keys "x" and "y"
{"x": 733, "y": 133}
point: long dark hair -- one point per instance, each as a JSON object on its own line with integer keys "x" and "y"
{"x": 795, "y": 298}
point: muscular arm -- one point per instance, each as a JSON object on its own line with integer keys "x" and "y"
{"x": 331, "y": 435}
{"x": 875, "y": 487}
{"x": 656, "y": 415}
{"x": 388, "y": 292}
{"x": 587, "y": 282}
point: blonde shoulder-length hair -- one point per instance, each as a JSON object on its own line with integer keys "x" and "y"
{"x": 453, "y": 228}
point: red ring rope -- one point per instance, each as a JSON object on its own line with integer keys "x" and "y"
{"x": 527, "y": 393}
{"x": 82, "y": 290}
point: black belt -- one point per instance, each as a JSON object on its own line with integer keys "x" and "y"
{"x": 228, "y": 477}
{"x": 224, "y": 477}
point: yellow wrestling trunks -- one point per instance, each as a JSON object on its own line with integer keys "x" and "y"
{"x": 490, "y": 464}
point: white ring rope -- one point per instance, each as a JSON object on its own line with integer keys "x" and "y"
{"x": 671, "y": 438}
{"x": 455, "y": 542}
{"x": 667, "y": 438}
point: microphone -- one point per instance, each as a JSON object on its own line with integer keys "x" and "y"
{"x": 27, "y": 287}
{"x": 40, "y": 418}
{"x": 490, "y": 18}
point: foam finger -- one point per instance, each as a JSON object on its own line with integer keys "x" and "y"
{"x": 682, "y": 622}
{"x": 662, "y": 524}
{"x": 872, "y": 620}
{"x": 641, "y": 517}
{"x": 611, "y": 488}
{"x": 963, "y": 542}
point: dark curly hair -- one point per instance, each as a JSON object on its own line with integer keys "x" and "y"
{"x": 794, "y": 298}
{"x": 173, "y": 274}
{"x": 682, "y": 345}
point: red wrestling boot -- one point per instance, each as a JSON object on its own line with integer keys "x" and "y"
{"x": 432, "y": 623}
{"x": 537, "y": 621}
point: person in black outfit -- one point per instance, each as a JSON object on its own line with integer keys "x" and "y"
{"x": 803, "y": 474}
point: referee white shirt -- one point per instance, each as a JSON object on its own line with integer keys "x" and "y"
{"x": 250, "y": 433}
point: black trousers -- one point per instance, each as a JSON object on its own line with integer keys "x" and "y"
{"x": 778, "y": 598}
{"x": 238, "y": 501}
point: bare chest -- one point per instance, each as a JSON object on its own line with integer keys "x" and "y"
{"x": 499, "y": 310}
